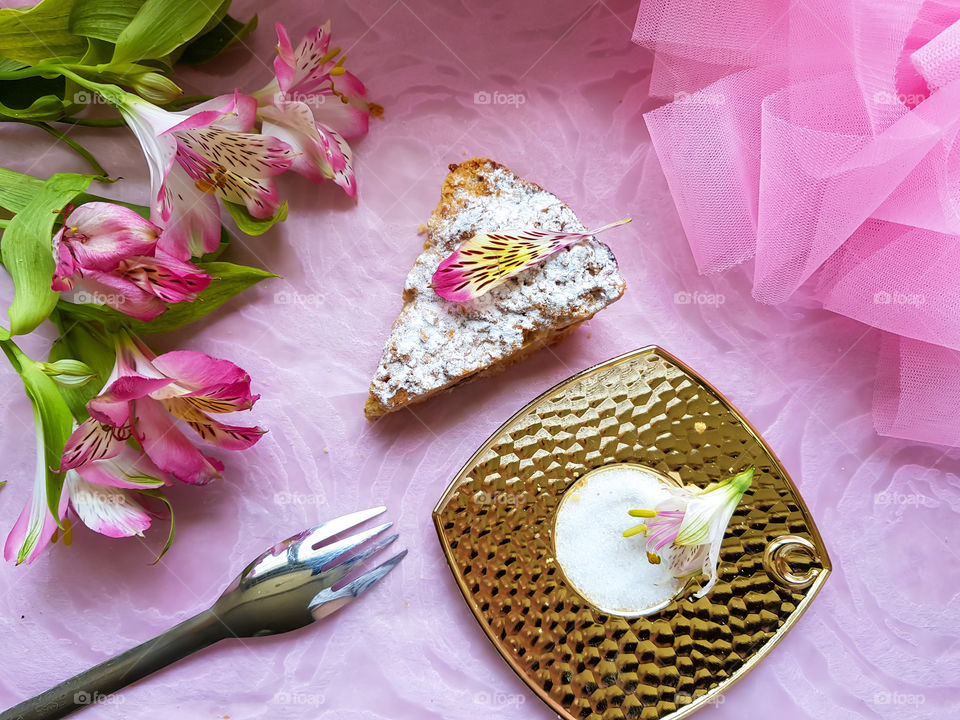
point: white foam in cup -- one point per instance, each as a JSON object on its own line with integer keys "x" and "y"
{"x": 612, "y": 572}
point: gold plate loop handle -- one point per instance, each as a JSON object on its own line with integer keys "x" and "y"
{"x": 787, "y": 549}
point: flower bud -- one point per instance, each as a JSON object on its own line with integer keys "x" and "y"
{"x": 156, "y": 88}
{"x": 68, "y": 372}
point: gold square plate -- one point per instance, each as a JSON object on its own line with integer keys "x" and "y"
{"x": 496, "y": 522}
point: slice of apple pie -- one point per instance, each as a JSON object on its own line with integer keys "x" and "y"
{"x": 437, "y": 343}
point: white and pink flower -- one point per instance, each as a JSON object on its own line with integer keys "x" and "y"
{"x": 315, "y": 105}
{"x": 693, "y": 524}
{"x": 202, "y": 153}
{"x": 110, "y": 252}
{"x": 146, "y": 395}
{"x": 101, "y": 493}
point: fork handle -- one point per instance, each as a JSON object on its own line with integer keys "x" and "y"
{"x": 96, "y": 685}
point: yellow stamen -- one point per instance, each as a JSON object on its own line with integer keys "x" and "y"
{"x": 67, "y": 532}
{"x": 653, "y": 558}
{"x": 635, "y": 530}
{"x": 205, "y": 186}
{"x": 643, "y": 513}
{"x": 329, "y": 56}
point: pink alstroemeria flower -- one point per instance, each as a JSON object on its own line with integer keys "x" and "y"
{"x": 693, "y": 524}
{"x": 97, "y": 492}
{"x": 109, "y": 252}
{"x": 96, "y": 236}
{"x": 313, "y": 104}
{"x": 198, "y": 154}
{"x": 145, "y": 395}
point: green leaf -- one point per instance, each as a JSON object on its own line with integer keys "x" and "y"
{"x": 224, "y": 34}
{"x": 161, "y": 26}
{"x": 78, "y": 342}
{"x": 251, "y": 225}
{"x": 8, "y": 65}
{"x": 17, "y": 189}
{"x": 39, "y": 33}
{"x": 172, "y": 534}
{"x": 103, "y": 19}
{"x": 54, "y": 424}
{"x": 27, "y": 252}
{"x": 228, "y": 280}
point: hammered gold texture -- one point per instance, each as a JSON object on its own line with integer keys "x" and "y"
{"x": 495, "y": 523}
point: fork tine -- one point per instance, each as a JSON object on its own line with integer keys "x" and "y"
{"x": 336, "y": 573}
{"x": 328, "y": 529}
{"x": 324, "y": 555}
{"x": 329, "y": 600}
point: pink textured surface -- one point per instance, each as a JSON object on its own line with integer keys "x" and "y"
{"x": 881, "y": 641}
{"x": 819, "y": 138}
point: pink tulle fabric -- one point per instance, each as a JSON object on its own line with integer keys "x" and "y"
{"x": 819, "y": 140}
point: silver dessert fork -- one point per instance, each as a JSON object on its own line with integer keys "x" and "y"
{"x": 288, "y": 586}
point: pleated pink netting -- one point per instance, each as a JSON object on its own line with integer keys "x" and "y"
{"x": 819, "y": 138}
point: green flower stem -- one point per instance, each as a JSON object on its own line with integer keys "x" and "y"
{"x": 18, "y": 359}
{"x": 76, "y": 147}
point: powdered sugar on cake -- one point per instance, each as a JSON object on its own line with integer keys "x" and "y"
{"x": 436, "y": 342}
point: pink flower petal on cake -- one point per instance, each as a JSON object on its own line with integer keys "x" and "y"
{"x": 488, "y": 259}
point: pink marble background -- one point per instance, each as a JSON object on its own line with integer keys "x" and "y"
{"x": 881, "y": 641}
